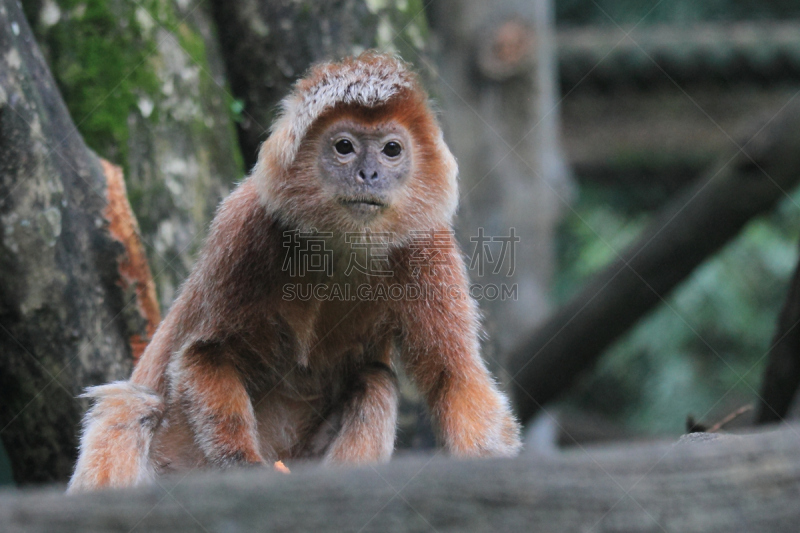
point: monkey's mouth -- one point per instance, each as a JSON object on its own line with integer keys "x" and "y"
{"x": 363, "y": 204}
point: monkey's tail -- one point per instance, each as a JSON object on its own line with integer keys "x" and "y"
{"x": 117, "y": 432}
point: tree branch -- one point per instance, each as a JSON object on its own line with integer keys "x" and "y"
{"x": 782, "y": 376}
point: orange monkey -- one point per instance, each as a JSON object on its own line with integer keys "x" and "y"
{"x": 240, "y": 374}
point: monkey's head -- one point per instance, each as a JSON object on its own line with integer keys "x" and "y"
{"x": 357, "y": 147}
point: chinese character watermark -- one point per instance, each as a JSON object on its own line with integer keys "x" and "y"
{"x": 369, "y": 253}
{"x": 427, "y": 250}
{"x": 482, "y": 253}
{"x": 307, "y": 251}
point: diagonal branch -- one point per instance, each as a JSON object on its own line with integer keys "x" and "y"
{"x": 683, "y": 235}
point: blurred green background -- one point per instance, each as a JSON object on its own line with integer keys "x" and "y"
{"x": 703, "y": 352}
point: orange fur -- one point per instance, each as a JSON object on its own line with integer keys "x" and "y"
{"x": 115, "y": 446}
{"x": 248, "y": 376}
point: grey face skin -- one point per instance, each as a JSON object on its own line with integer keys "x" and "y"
{"x": 362, "y": 166}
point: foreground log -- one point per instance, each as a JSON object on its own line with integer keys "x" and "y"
{"x": 73, "y": 294}
{"x": 735, "y": 484}
{"x": 682, "y": 235}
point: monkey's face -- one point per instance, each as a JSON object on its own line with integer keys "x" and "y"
{"x": 363, "y": 167}
{"x": 382, "y": 169}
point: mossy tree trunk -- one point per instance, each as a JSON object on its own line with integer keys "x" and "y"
{"x": 144, "y": 82}
{"x": 74, "y": 288}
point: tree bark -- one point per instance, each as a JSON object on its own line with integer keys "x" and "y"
{"x": 782, "y": 375}
{"x": 734, "y": 484}
{"x": 72, "y": 294}
{"x": 145, "y": 83}
{"x": 687, "y": 231}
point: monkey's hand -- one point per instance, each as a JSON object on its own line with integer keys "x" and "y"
{"x": 475, "y": 419}
{"x": 472, "y": 414}
{"x": 217, "y": 407}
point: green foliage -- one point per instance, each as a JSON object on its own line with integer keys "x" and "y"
{"x": 702, "y": 352}
{"x": 99, "y": 52}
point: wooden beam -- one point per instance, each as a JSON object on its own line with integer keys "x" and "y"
{"x": 612, "y": 58}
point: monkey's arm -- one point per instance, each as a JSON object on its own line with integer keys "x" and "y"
{"x": 217, "y": 406}
{"x": 440, "y": 349}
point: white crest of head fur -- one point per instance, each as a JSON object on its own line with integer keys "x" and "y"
{"x": 369, "y": 83}
{"x": 369, "y": 80}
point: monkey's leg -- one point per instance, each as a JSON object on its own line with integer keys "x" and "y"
{"x": 217, "y": 407}
{"x": 368, "y": 418}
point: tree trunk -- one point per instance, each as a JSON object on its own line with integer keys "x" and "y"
{"x": 686, "y": 232}
{"x": 145, "y": 83}
{"x": 499, "y": 91}
{"x": 782, "y": 375}
{"x": 711, "y": 484}
{"x": 74, "y": 293}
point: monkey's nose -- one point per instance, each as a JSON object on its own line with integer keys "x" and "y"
{"x": 367, "y": 176}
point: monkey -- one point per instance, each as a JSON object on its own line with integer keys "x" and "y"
{"x": 243, "y": 372}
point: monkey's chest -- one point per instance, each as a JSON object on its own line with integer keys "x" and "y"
{"x": 315, "y": 344}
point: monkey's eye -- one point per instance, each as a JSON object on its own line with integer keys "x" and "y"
{"x": 392, "y": 149}
{"x": 344, "y": 147}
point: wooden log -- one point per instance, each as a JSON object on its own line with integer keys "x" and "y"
{"x": 687, "y": 231}
{"x": 733, "y": 484}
